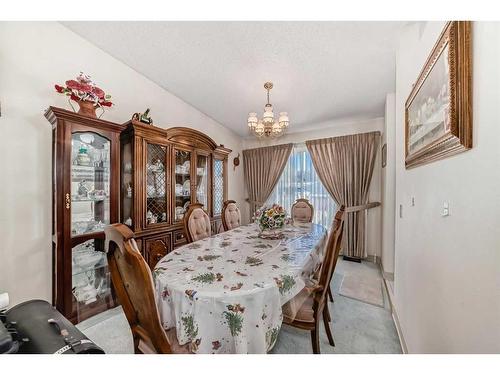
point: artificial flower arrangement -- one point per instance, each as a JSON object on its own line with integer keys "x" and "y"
{"x": 271, "y": 218}
{"x": 84, "y": 91}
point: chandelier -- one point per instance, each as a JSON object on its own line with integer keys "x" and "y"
{"x": 267, "y": 127}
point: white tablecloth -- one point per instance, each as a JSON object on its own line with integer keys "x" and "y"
{"x": 224, "y": 294}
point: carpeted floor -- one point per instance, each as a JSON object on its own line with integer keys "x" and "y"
{"x": 358, "y": 327}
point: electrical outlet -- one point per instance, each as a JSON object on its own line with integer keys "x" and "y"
{"x": 413, "y": 201}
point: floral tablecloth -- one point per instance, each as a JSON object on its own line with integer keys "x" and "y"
{"x": 224, "y": 294}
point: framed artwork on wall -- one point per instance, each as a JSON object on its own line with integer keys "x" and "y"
{"x": 384, "y": 155}
{"x": 438, "y": 111}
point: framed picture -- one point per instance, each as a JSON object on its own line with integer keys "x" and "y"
{"x": 384, "y": 155}
{"x": 438, "y": 112}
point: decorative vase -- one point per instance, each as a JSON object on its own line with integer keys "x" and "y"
{"x": 271, "y": 234}
{"x": 83, "y": 158}
{"x": 86, "y": 109}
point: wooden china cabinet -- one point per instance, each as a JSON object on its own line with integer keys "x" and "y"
{"x": 86, "y": 175}
{"x": 162, "y": 172}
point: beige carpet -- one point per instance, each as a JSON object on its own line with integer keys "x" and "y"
{"x": 364, "y": 289}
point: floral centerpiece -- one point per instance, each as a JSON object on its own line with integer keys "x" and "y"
{"x": 85, "y": 92}
{"x": 270, "y": 221}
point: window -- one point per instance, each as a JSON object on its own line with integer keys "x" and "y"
{"x": 299, "y": 180}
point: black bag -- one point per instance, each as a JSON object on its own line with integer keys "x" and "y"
{"x": 41, "y": 329}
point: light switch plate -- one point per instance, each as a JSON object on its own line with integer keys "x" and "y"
{"x": 446, "y": 209}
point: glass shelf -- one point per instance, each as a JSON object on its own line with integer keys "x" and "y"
{"x": 76, "y": 200}
{"x": 102, "y": 264}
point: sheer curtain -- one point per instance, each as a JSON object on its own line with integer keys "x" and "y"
{"x": 299, "y": 180}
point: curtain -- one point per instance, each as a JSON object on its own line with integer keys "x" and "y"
{"x": 345, "y": 166}
{"x": 262, "y": 168}
{"x": 300, "y": 180}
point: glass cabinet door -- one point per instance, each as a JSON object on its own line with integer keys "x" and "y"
{"x": 127, "y": 184}
{"x": 156, "y": 184}
{"x": 90, "y": 183}
{"x": 182, "y": 173}
{"x": 218, "y": 186}
{"x": 90, "y": 213}
{"x": 91, "y": 283}
{"x": 202, "y": 180}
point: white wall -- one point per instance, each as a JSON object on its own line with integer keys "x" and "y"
{"x": 388, "y": 178}
{"x": 336, "y": 129}
{"x": 447, "y": 269}
{"x": 33, "y": 57}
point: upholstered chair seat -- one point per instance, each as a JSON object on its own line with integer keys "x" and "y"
{"x": 302, "y": 211}
{"x": 231, "y": 216}
{"x": 300, "y": 307}
{"x": 196, "y": 223}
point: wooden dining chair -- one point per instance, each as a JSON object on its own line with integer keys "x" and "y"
{"x": 302, "y": 211}
{"x": 134, "y": 288}
{"x": 196, "y": 223}
{"x": 231, "y": 215}
{"x": 306, "y": 309}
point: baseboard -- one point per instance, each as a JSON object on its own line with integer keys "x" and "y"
{"x": 387, "y": 275}
{"x": 395, "y": 318}
{"x": 372, "y": 258}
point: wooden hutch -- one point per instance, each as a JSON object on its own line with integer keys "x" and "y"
{"x": 162, "y": 172}
{"x": 137, "y": 174}
{"x": 85, "y": 196}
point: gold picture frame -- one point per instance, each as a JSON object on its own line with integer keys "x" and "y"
{"x": 438, "y": 111}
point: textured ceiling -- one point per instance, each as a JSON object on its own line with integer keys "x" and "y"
{"x": 322, "y": 71}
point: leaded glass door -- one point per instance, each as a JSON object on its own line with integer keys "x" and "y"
{"x": 156, "y": 184}
{"x": 218, "y": 183}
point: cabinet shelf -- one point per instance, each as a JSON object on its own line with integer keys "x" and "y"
{"x": 102, "y": 265}
{"x": 92, "y": 168}
{"x": 90, "y": 200}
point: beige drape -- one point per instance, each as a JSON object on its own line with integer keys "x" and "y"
{"x": 345, "y": 167}
{"x": 262, "y": 167}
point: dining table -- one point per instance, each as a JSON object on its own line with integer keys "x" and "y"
{"x": 224, "y": 294}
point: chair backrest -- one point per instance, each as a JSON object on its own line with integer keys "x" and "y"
{"x": 332, "y": 252}
{"x": 302, "y": 211}
{"x": 196, "y": 223}
{"x": 231, "y": 215}
{"x": 134, "y": 287}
